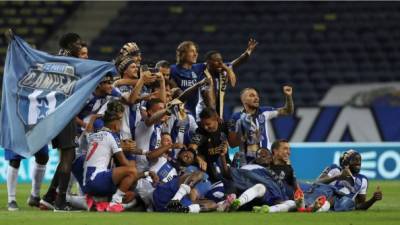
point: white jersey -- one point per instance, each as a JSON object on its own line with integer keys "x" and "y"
{"x": 253, "y": 129}
{"x": 102, "y": 146}
{"x": 181, "y": 131}
{"x": 147, "y": 138}
{"x": 164, "y": 170}
{"x": 358, "y": 185}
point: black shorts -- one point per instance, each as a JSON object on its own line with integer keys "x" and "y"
{"x": 66, "y": 138}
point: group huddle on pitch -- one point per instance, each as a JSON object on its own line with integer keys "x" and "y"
{"x": 154, "y": 139}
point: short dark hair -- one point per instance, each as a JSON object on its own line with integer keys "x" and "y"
{"x": 208, "y": 112}
{"x": 68, "y": 39}
{"x": 277, "y": 144}
{"x": 209, "y": 54}
{"x": 165, "y": 133}
{"x": 162, "y": 63}
{"x": 114, "y": 108}
{"x": 152, "y": 102}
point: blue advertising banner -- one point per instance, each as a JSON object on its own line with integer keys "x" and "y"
{"x": 379, "y": 160}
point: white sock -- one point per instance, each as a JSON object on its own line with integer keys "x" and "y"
{"x": 283, "y": 207}
{"x": 325, "y": 207}
{"x": 184, "y": 189}
{"x": 37, "y": 178}
{"x": 194, "y": 208}
{"x": 118, "y": 196}
{"x": 12, "y": 178}
{"x": 257, "y": 191}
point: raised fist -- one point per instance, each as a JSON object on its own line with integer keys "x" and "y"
{"x": 287, "y": 90}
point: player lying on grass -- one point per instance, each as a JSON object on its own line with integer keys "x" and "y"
{"x": 168, "y": 171}
{"x": 260, "y": 181}
{"x": 346, "y": 188}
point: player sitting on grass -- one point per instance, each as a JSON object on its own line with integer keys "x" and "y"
{"x": 98, "y": 179}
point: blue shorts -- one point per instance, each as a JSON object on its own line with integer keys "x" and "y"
{"x": 10, "y": 155}
{"x": 165, "y": 192}
{"x": 77, "y": 170}
{"x": 203, "y": 187}
{"x": 101, "y": 185}
{"x": 245, "y": 179}
{"x": 217, "y": 192}
{"x": 313, "y": 191}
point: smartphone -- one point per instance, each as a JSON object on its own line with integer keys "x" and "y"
{"x": 144, "y": 67}
{"x": 154, "y": 70}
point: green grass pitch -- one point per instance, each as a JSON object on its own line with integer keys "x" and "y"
{"x": 385, "y": 212}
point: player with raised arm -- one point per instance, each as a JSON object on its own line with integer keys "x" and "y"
{"x": 250, "y": 125}
{"x": 187, "y": 72}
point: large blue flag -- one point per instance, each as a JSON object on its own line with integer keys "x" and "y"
{"x": 41, "y": 94}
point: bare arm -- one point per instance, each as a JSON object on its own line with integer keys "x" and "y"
{"x": 163, "y": 93}
{"x": 156, "y": 117}
{"x": 123, "y": 81}
{"x": 289, "y": 105}
{"x": 326, "y": 179}
{"x": 362, "y": 204}
{"x": 243, "y": 57}
{"x": 80, "y": 122}
{"x": 155, "y": 154}
{"x": 89, "y": 126}
{"x": 209, "y": 94}
{"x": 121, "y": 159}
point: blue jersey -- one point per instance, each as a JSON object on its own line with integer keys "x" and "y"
{"x": 253, "y": 130}
{"x": 186, "y": 78}
{"x": 351, "y": 187}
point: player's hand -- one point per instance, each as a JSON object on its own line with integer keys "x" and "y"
{"x": 202, "y": 164}
{"x": 159, "y": 76}
{"x": 9, "y": 34}
{"x": 128, "y": 145}
{"x": 346, "y": 173}
{"x": 377, "y": 196}
{"x": 222, "y": 149}
{"x": 154, "y": 177}
{"x": 287, "y": 90}
{"x": 147, "y": 77}
{"x": 251, "y": 45}
{"x": 178, "y": 146}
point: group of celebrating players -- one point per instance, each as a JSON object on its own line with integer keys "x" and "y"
{"x": 154, "y": 140}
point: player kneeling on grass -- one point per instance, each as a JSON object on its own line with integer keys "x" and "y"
{"x": 344, "y": 186}
{"x": 98, "y": 179}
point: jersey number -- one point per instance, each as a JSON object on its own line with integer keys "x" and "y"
{"x": 92, "y": 151}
